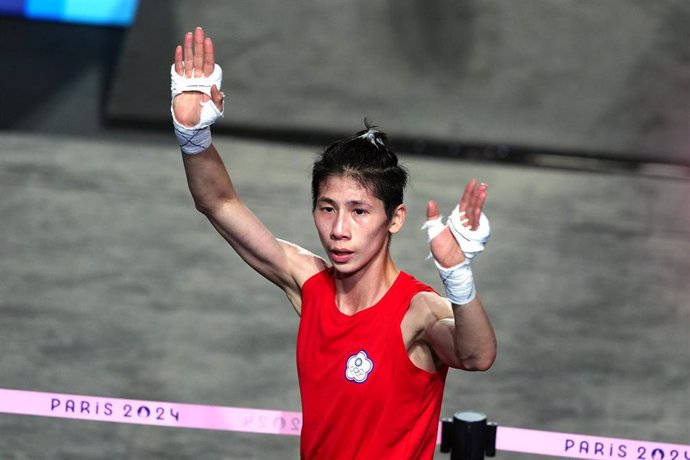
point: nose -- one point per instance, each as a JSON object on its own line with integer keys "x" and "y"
{"x": 341, "y": 227}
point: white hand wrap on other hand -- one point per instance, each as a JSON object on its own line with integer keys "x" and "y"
{"x": 458, "y": 281}
{"x": 197, "y": 138}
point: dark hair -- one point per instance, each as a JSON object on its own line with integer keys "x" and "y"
{"x": 367, "y": 159}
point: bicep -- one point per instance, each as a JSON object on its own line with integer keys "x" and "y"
{"x": 463, "y": 338}
{"x": 438, "y": 329}
{"x": 441, "y": 336}
{"x": 432, "y": 321}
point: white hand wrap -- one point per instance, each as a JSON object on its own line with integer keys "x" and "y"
{"x": 471, "y": 242}
{"x": 458, "y": 280}
{"x": 180, "y": 83}
{"x": 196, "y": 139}
{"x": 433, "y": 227}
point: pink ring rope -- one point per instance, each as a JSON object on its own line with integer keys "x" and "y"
{"x": 174, "y": 415}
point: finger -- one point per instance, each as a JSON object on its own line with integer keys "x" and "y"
{"x": 431, "y": 210}
{"x": 467, "y": 195}
{"x": 477, "y": 205}
{"x": 473, "y": 221}
{"x": 477, "y": 192}
{"x": 209, "y": 58}
{"x": 187, "y": 55}
{"x": 217, "y": 97}
{"x": 179, "y": 66}
{"x": 198, "y": 52}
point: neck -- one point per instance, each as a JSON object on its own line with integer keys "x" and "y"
{"x": 358, "y": 291}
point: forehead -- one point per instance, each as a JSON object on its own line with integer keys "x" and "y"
{"x": 345, "y": 188}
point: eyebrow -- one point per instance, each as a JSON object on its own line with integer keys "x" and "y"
{"x": 324, "y": 199}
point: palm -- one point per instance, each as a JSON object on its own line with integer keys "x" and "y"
{"x": 187, "y": 107}
{"x": 446, "y": 250}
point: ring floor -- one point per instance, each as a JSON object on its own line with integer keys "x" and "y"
{"x": 113, "y": 285}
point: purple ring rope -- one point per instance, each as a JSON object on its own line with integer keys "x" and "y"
{"x": 167, "y": 414}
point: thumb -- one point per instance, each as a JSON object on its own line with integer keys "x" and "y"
{"x": 444, "y": 248}
{"x": 431, "y": 210}
{"x": 217, "y": 97}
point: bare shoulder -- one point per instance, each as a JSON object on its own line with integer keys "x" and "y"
{"x": 426, "y": 308}
{"x": 303, "y": 265}
{"x": 429, "y": 300}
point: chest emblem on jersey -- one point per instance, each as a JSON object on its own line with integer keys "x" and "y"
{"x": 358, "y": 367}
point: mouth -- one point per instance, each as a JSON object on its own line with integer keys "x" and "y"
{"x": 340, "y": 256}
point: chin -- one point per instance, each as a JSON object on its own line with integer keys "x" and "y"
{"x": 344, "y": 269}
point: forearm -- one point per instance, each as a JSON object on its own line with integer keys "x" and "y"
{"x": 208, "y": 180}
{"x": 474, "y": 339}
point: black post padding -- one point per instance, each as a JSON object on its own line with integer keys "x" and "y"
{"x": 490, "y": 447}
{"x": 446, "y": 435}
{"x": 468, "y": 436}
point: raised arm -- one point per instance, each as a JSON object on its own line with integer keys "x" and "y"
{"x": 461, "y": 334}
{"x": 213, "y": 192}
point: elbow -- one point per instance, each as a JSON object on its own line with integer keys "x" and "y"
{"x": 207, "y": 206}
{"x": 480, "y": 365}
{"x": 203, "y": 207}
{"x": 480, "y": 362}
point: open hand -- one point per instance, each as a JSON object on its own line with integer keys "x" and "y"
{"x": 444, "y": 247}
{"x": 195, "y": 58}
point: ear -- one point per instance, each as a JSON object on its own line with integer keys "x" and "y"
{"x": 397, "y": 219}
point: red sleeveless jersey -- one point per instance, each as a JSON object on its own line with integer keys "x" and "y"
{"x": 362, "y": 397}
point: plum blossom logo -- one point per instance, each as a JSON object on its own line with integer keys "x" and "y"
{"x": 358, "y": 367}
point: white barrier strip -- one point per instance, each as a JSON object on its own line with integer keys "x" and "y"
{"x": 118, "y": 410}
{"x": 582, "y": 446}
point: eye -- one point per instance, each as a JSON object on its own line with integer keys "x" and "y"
{"x": 327, "y": 209}
{"x": 360, "y": 212}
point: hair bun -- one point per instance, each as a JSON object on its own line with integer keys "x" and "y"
{"x": 376, "y": 137}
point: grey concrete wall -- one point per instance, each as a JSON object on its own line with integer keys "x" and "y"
{"x": 608, "y": 78}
